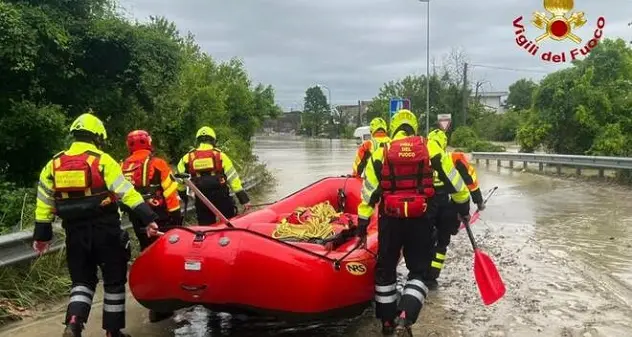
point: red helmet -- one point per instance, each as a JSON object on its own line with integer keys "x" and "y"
{"x": 139, "y": 140}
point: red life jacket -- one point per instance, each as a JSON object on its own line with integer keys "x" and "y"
{"x": 80, "y": 189}
{"x": 205, "y": 162}
{"x": 145, "y": 178}
{"x": 406, "y": 178}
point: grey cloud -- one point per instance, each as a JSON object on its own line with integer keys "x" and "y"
{"x": 354, "y": 46}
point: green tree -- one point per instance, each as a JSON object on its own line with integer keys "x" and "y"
{"x": 59, "y": 59}
{"x": 584, "y": 109}
{"x": 446, "y": 93}
{"x": 316, "y": 111}
{"x": 445, "y": 97}
{"x": 520, "y": 94}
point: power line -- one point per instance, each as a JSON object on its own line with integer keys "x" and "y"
{"x": 510, "y": 69}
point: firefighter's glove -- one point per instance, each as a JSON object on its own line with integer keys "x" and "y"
{"x": 481, "y": 206}
{"x": 361, "y": 231}
{"x": 477, "y": 198}
{"x": 152, "y": 230}
{"x": 40, "y": 247}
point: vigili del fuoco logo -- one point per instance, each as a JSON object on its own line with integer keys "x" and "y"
{"x": 558, "y": 25}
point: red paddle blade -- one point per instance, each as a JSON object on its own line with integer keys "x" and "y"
{"x": 489, "y": 282}
{"x": 473, "y": 219}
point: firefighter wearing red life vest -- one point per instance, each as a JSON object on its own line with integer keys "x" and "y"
{"x": 213, "y": 173}
{"x": 153, "y": 179}
{"x": 400, "y": 176}
{"x": 452, "y": 199}
{"x": 378, "y": 129}
{"x": 81, "y": 186}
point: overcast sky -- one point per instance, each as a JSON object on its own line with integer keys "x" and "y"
{"x": 354, "y": 46}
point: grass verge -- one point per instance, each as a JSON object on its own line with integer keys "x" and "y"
{"x": 25, "y": 287}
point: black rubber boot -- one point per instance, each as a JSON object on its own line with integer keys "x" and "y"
{"x": 72, "y": 331}
{"x": 155, "y": 316}
{"x": 73, "y": 328}
{"x": 432, "y": 284}
{"x": 388, "y": 328}
{"x": 402, "y": 326}
{"x": 116, "y": 334}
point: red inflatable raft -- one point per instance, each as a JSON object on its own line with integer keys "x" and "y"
{"x": 243, "y": 269}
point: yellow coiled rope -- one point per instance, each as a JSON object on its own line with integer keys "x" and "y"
{"x": 317, "y": 226}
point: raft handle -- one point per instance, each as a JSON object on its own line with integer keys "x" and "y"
{"x": 199, "y": 236}
{"x": 192, "y": 288}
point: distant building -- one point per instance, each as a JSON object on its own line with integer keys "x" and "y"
{"x": 355, "y": 114}
{"x": 288, "y": 122}
{"x": 493, "y": 100}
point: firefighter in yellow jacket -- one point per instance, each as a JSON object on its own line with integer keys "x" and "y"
{"x": 399, "y": 176}
{"x": 452, "y": 198}
{"x": 214, "y": 175}
{"x": 378, "y": 129}
{"x": 468, "y": 173}
{"x": 81, "y": 186}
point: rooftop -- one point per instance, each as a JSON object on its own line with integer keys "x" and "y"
{"x": 492, "y": 94}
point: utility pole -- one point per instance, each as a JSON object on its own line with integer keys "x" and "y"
{"x": 359, "y": 121}
{"x": 465, "y": 98}
{"x": 427, "y": 65}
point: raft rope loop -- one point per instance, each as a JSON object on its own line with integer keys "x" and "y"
{"x": 314, "y": 223}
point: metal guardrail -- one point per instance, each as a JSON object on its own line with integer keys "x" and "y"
{"x": 17, "y": 247}
{"x": 559, "y": 160}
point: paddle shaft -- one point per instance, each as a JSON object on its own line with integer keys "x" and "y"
{"x": 489, "y": 195}
{"x": 469, "y": 233}
{"x": 186, "y": 209}
{"x": 467, "y": 223}
{"x": 206, "y": 202}
{"x": 264, "y": 204}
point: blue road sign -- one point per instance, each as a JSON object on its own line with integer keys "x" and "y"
{"x": 398, "y": 104}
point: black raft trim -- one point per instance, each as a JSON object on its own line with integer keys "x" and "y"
{"x": 333, "y": 314}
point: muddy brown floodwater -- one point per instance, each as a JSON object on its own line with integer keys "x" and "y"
{"x": 563, "y": 248}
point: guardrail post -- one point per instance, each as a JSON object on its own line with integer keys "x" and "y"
{"x": 601, "y": 173}
{"x": 578, "y": 171}
{"x": 511, "y": 164}
{"x": 487, "y": 162}
{"x": 525, "y": 165}
{"x": 559, "y": 169}
{"x": 478, "y": 161}
{"x": 541, "y": 167}
{"x": 498, "y": 162}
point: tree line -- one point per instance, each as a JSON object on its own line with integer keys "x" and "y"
{"x": 583, "y": 109}
{"x": 448, "y": 94}
{"x": 59, "y": 59}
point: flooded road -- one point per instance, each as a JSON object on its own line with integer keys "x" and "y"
{"x": 563, "y": 248}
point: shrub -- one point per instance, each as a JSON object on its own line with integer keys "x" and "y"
{"x": 467, "y": 140}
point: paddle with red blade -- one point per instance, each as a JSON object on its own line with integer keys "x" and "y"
{"x": 488, "y": 280}
{"x": 476, "y": 214}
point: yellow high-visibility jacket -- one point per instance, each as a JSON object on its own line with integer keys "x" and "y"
{"x": 446, "y": 176}
{"x": 365, "y": 150}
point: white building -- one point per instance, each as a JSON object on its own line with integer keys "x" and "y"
{"x": 494, "y": 100}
